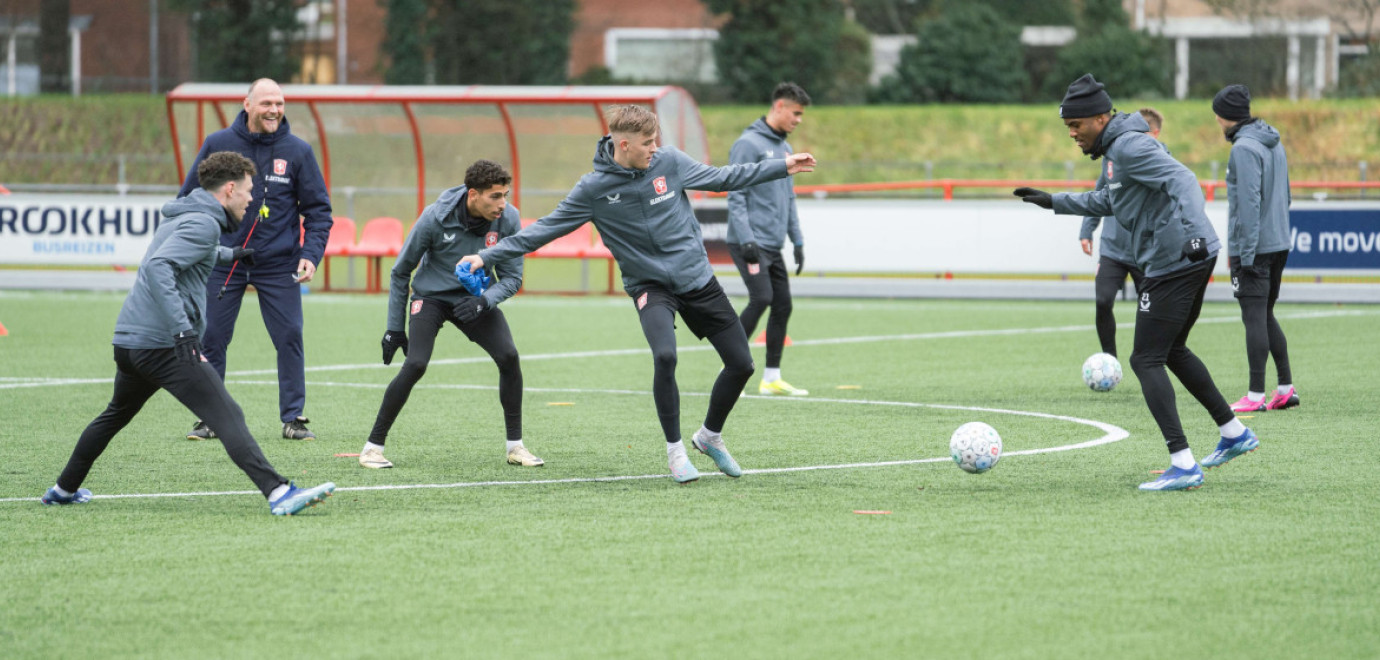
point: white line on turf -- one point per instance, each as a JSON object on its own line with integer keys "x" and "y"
{"x": 952, "y": 334}
{"x": 1111, "y": 433}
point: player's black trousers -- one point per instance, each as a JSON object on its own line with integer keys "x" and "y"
{"x": 1111, "y": 278}
{"x": 1257, "y": 289}
{"x": 709, "y": 314}
{"x": 1167, "y": 309}
{"x": 139, "y": 374}
{"x": 769, "y": 287}
{"x": 490, "y": 331}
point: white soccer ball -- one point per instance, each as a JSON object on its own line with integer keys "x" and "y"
{"x": 1102, "y": 372}
{"x": 975, "y": 447}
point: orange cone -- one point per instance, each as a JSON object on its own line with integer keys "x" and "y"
{"x": 3, "y": 331}
{"x": 761, "y": 339}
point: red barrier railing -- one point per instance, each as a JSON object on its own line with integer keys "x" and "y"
{"x": 949, "y": 185}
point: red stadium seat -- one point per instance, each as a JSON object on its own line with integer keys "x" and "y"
{"x": 382, "y": 237}
{"x": 339, "y": 244}
{"x": 583, "y": 244}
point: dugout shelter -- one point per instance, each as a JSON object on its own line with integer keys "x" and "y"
{"x": 388, "y": 150}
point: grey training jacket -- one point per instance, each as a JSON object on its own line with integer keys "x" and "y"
{"x": 1156, "y": 200}
{"x": 644, "y": 216}
{"x": 169, "y": 292}
{"x": 438, "y": 240}
{"x": 1258, "y": 194}
{"x": 1115, "y": 244}
{"x": 765, "y": 213}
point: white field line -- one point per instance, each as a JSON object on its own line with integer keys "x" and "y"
{"x": 1110, "y": 434}
{"x": 8, "y": 383}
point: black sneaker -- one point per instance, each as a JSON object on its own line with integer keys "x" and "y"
{"x": 297, "y": 430}
{"x": 201, "y": 432}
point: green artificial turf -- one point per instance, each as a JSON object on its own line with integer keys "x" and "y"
{"x": 1048, "y": 555}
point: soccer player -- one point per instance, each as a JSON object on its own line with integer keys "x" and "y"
{"x": 1159, "y": 203}
{"x": 156, "y": 337}
{"x": 1258, "y": 242}
{"x": 759, "y": 220}
{"x": 1114, "y": 260}
{"x": 293, "y": 221}
{"x": 636, "y": 198}
{"x": 461, "y": 221}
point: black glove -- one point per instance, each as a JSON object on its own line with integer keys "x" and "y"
{"x": 243, "y": 255}
{"x": 187, "y": 347}
{"x": 751, "y": 254}
{"x": 799, "y": 258}
{"x": 470, "y": 307}
{"x": 1196, "y": 249}
{"x": 392, "y": 341}
{"x": 1039, "y": 198}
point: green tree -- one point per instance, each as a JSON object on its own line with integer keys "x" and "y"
{"x": 852, "y": 68}
{"x": 531, "y": 46}
{"x": 1130, "y": 63}
{"x": 768, "y": 41}
{"x": 404, "y": 42}
{"x": 969, "y": 54}
{"x": 242, "y": 40}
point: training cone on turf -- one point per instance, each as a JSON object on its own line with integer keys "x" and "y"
{"x": 761, "y": 339}
{"x": 3, "y": 331}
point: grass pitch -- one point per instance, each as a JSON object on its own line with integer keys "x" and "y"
{"x": 456, "y": 554}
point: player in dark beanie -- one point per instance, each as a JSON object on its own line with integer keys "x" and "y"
{"x": 1159, "y": 202}
{"x": 1257, "y": 241}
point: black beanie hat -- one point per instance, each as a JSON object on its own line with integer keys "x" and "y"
{"x": 1086, "y": 98}
{"x": 1233, "y": 103}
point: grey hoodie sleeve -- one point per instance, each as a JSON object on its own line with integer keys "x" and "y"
{"x": 224, "y": 255}
{"x": 1246, "y": 164}
{"x": 741, "y": 153}
{"x": 1095, "y": 202}
{"x": 400, "y": 278}
{"x": 572, "y": 212}
{"x": 508, "y": 272}
{"x": 793, "y": 223}
{"x": 698, "y": 176}
{"x": 1091, "y": 222}
{"x": 191, "y": 241}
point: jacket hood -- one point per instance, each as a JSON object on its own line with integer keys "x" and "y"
{"x": 762, "y": 128}
{"x": 604, "y": 162}
{"x": 1256, "y": 130}
{"x": 1121, "y": 124}
{"x": 241, "y": 128}
{"x": 200, "y": 201}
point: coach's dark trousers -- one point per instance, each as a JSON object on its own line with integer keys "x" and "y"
{"x": 140, "y": 373}
{"x": 280, "y": 304}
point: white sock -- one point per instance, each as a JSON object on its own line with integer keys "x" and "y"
{"x": 1256, "y": 396}
{"x": 278, "y": 492}
{"x": 771, "y": 374}
{"x": 675, "y": 448}
{"x": 1233, "y": 429}
{"x": 513, "y": 444}
{"x": 1284, "y": 389}
{"x": 1182, "y": 459}
{"x": 58, "y": 489}
{"x": 369, "y": 445}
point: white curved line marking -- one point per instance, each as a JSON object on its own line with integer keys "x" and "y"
{"x": 1111, "y": 433}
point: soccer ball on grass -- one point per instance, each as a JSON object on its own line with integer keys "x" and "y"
{"x": 1102, "y": 372}
{"x": 975, "y": 447}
